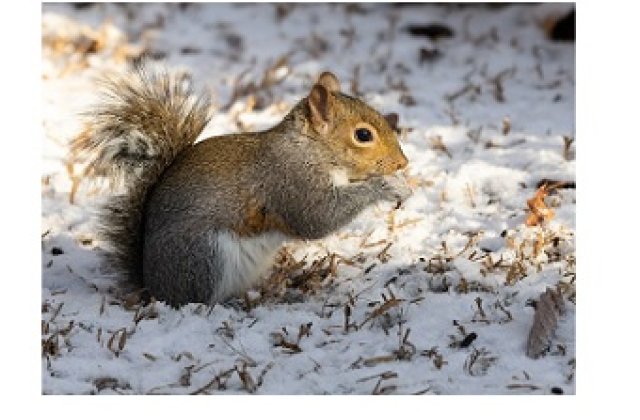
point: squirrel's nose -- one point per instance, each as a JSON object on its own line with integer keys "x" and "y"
{"x": 403, "y": 162}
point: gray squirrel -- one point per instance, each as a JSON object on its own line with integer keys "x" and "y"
{"x": 203, "y": 222}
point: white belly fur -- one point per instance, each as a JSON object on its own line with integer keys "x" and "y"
{"x": 244, "y": 260}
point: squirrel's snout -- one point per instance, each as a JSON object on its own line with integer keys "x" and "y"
{"x": 393, "y": 163}
{"x": 402, "y": 162}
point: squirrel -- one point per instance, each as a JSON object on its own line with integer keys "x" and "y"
{"x": 203, "y": 221}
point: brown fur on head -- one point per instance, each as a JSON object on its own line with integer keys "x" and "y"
{"x": 361, "y": 138}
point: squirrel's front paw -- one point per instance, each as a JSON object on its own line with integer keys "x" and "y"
{"x": 394, "y": 188}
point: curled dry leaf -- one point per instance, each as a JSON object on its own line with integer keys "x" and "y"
{"x": 545, "y": 321}
{"x": 538, "y": 210}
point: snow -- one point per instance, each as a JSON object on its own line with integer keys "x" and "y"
{"x": 449, "y": 254}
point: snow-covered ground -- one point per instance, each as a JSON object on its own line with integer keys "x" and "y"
{"x": 391, "y": 303}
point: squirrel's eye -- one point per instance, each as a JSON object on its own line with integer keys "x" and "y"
{"x": 364, "y": 135}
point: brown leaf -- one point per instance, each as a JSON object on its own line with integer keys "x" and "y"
{"x": 545, "y": 321}
{"x": 538, "y": 210}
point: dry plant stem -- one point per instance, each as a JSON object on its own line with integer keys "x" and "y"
{"x": 393, "y": 302}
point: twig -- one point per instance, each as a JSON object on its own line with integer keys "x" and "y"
{"x": 381, "y": 310}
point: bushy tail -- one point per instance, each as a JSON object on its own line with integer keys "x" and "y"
{"x": 145, "y": 119}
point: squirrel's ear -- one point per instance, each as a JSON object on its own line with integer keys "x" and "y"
{"x": 329, "y": 81}
{"x": 319, "y": 107}
{"x": 392, "y": 119}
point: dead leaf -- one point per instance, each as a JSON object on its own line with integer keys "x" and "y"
{"x": 538, "y": 210}
{"x": 545, "y": 321}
